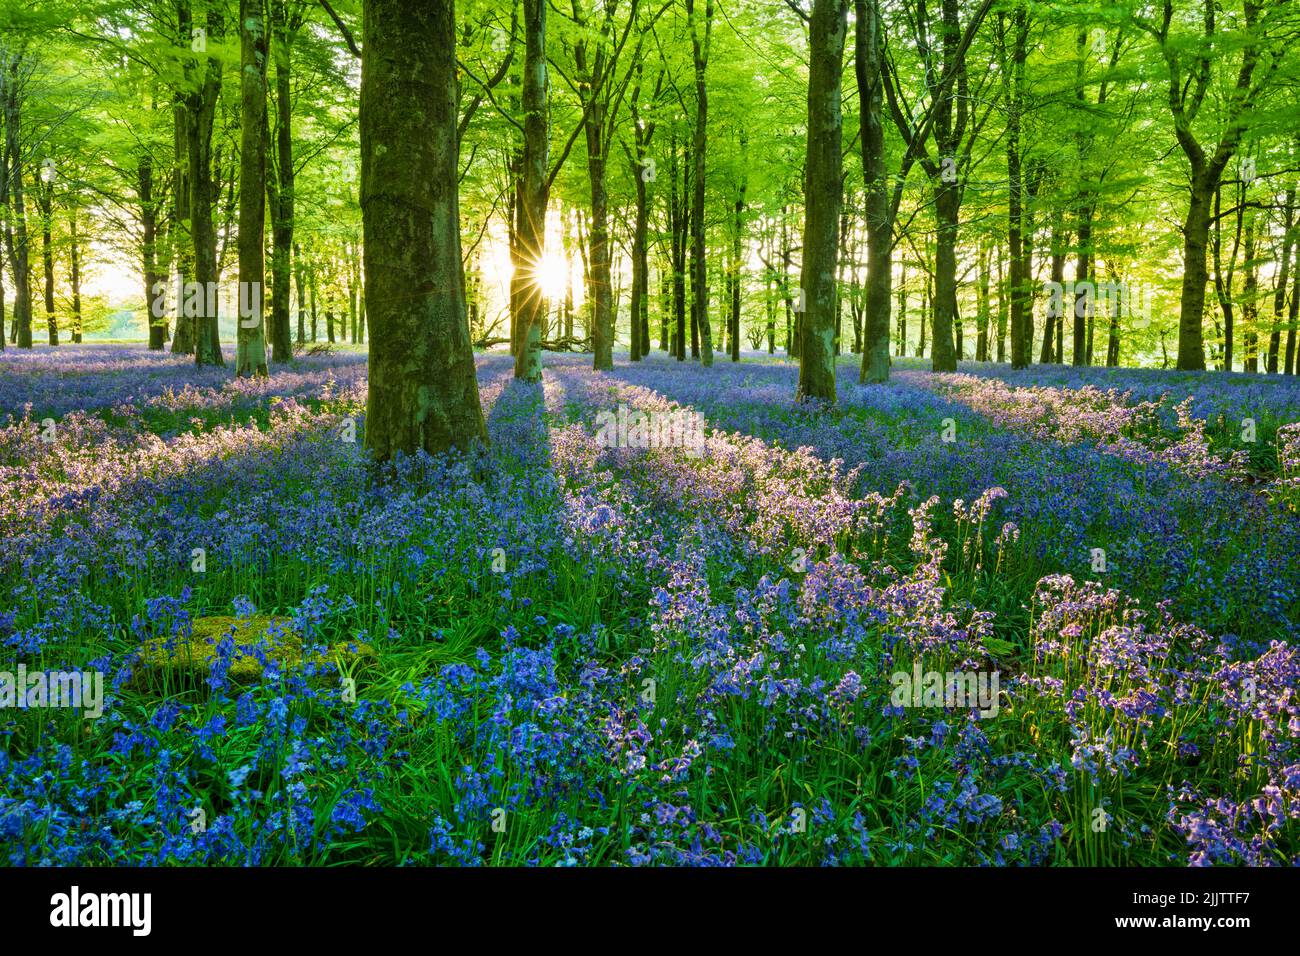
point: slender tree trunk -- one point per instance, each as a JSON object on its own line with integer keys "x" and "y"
{"x": 250, "y": 354}
{"x": 982, "y": 306}
{"x": 700, "y": 36}
{"x": 600, "y": 289}
{"x": 1283, "y": 277}
{"x": 901, "y": 350}
{"x": 298, "y": 281}
{"x": 45, "y": 201}
{"x": 738, "y": 239}
{"x": 1293, "y": 317}
{"x": 423, "y": 388}
{"x": 75, "y": 274}
{"x": 1004, "y": 306}
{"x": 181, "y": 233}
{"x": 281, "y": 187}
{"x": 532, "y": 196}
{"x": 1249, "y": 297}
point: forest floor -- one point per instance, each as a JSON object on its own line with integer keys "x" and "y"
{"x": 720, "y": 648}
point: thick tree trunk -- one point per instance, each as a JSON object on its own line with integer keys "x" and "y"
{"x": 823, "y": 188}
{"x": 943, "y": 358}
{"x": 16, "y": 233}
{"x": 423, "y": 390}
{"x": 250, "y": 354}
{"x": 1191, "y": 311}
{"x": 525, "y": 290}
{"x": 200, "y": 113}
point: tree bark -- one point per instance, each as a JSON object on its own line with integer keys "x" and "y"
{"x": 199, "y": 116}
{"x": 423, "y": 390}
{"x": 823, "y": 196}
{"x": 250, "y": 353}
{"x": 281, "y": 187}
{"x": 868, "y": 53}
{"x": 16, "y": 233}
{"x": 700, "y": 38}
{"x": 532, "y": 194}
{"x": 74, "y": 251}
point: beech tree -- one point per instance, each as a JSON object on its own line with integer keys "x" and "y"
{"x": 423, "y": 392}
{"x": 823, "y": 196}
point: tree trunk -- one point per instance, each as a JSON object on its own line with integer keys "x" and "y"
{"x": 737, "y": 247}
{"x": 180, "y": 235}
{"x": 16, "y": 234}
{"x": 149, "y": 255}
{"x": 298, "y": 281}
{"x": 200, "y": 113}
{"x": 982, "y": 311}
{"x": 823, "y": 188}
{"x": 75, "y": 275}
{"x": 45, "y": 201}
{"x": 600, "y": 288}
{"x": 250, "y": 354}
{"x": 868, "y": 62}
{"x": 1249, "y": 294}
{"x": 1196, "y": 232}
{"x": 1283, "y": 277}
{"x": 700, "y": 273}
{"x": 532, "y": 193}
{"x": 423, "y": 389}
{"x": 282, "y": 187}
{"x": 640, "y": 264}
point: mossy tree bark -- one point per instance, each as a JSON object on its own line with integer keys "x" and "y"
{"x": 823, "y": 192}
{"x": 423, "y": 390}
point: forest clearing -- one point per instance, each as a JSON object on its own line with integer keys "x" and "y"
{"x": 806, "y": 433}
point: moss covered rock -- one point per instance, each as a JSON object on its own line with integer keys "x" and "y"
{"x": 275, "y": 636}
